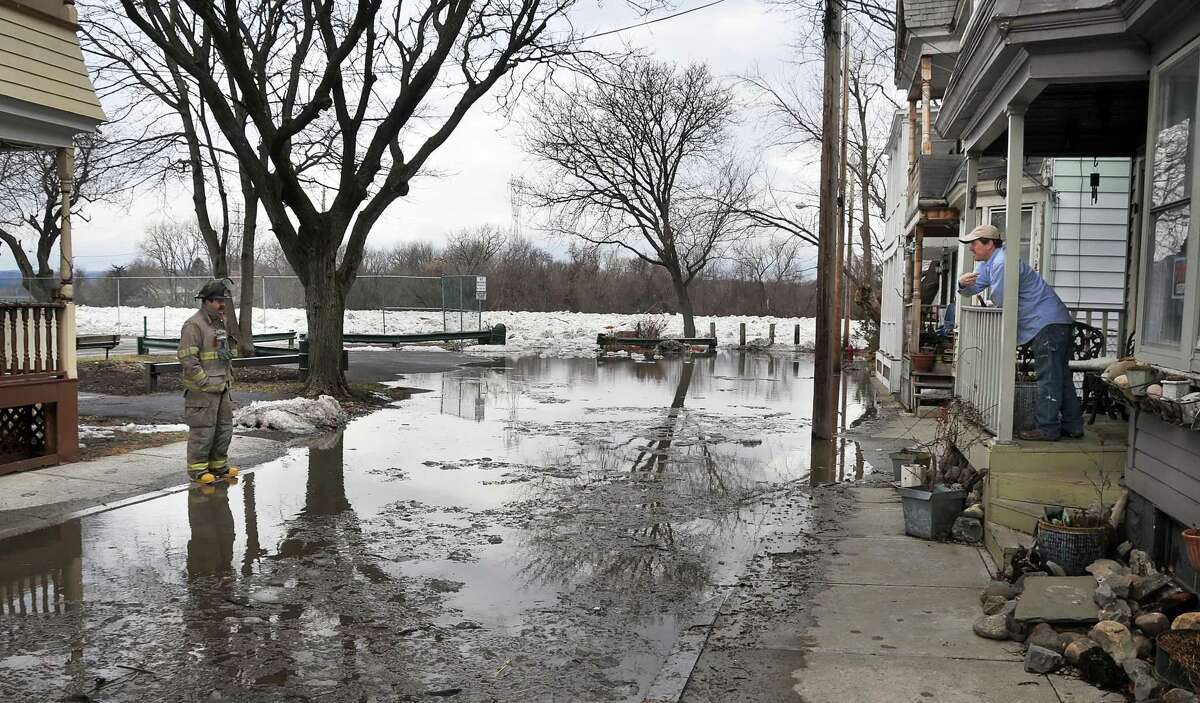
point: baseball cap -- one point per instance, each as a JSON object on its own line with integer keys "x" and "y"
{"x": 982, "y": 232}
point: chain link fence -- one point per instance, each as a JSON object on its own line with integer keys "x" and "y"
{"x": 458, "y": 299}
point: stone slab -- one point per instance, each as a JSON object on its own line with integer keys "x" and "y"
{"x": 904, "y": 561}
{"x": 891, "y": 621}
{"x": 864, "y": 678}
{"x": 1058, "y": 599}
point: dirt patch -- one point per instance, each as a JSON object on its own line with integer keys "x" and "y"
{"x": 120, "y": 441}
{"x": 126, "y": 376}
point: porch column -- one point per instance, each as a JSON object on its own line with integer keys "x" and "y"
{"x": 926, "y": 100}
{"x": 1012, "y": 271}
{"x": 912, "y": 134}
{"x": 966, "y": 262}
{"x": 66, "y": 293}
{"x": 914, "y": 321}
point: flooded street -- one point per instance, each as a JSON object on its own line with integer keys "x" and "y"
{"x": 536, "y": 530}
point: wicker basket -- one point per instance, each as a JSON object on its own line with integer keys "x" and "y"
{"x": 1072, "y": 548}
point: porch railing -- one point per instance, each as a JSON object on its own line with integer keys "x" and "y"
{"x": 1109, "y": 321}
{"x": 979, "y": 355}
{"x": 29, "y": 338}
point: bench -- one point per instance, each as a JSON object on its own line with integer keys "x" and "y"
{"x": 607, "y": 339}
{"x": 264, "y": 356}
{"x": 145, "y": 344}
{"x": 107, "y": 342}
{"x": 495, "y": 335}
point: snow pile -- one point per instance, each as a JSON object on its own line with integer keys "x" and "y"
{"x": 94, "y": 432}
{"x": 295, "y": 415}
{"x": 561, "y": 334}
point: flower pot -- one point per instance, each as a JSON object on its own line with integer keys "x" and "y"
{"x": 1176, "y": 661}
{"x": 1191, "y": 538}
{"x": 1140, "y": 378}
{"x": 930, "y": 514}
{"x": 1176, "y": 389}
{"x": 906, "y": 456}
{"x": 1072, "y": 548}
{"x": 912, "y": 475}
{"x": 922, "y": 361}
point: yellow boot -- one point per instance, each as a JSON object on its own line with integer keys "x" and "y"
{"x": 205, "y": 478}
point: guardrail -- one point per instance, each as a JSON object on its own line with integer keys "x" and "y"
{"x": 145, "y": 344}
{"x": 979, "y": 355}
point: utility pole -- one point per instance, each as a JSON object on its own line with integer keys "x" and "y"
{"x": 824, "y": 391}
{"x": 839, "y": 272}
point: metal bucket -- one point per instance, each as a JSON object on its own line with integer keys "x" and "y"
{"x": 930, "y": 514}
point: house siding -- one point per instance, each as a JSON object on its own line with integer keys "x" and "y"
{"x": 1164, "y": 467}
{"x": 1086, "y": 259}
{"x": 41, "y": 63}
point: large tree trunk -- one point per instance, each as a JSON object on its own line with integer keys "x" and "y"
{"x": 325, "y": 303}
{"x": 249, "y": 230}
{"x": 685, "y": 305}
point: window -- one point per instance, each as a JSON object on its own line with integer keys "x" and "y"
{"x": 998, "y": 216}
{"x": 1170, "y": 218}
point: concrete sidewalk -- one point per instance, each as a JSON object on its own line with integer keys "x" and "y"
{"x": 31, "y": 500}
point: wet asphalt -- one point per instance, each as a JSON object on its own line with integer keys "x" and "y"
{"x": 537, "y": 530}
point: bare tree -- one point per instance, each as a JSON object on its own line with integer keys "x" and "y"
{"x": 31, "y": 204}
{"x": 768, "y": 262}
{"x": 638, "y": 163}
{"x": 472, "y": 250}
{"x": 344, "y": 101}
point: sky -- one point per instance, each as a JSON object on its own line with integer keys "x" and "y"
{"x": 735, "y": 37}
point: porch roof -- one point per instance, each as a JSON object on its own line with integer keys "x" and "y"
{"x": 1080, "y": 66}
{"x": 46, "y": 96}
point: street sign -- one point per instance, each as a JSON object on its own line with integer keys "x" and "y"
{"x": 481, "y": 287}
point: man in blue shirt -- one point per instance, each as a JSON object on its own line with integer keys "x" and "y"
{"x": 1042, "y": 319}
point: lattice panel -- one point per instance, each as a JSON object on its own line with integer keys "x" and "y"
{"x": 23, "y": 432}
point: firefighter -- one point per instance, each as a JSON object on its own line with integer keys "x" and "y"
{"x": 206, "y": 351}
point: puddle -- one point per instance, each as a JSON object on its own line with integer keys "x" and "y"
{"x": 540, "y": 530}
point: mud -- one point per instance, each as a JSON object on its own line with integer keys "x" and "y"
{"x": 544, "y": 531}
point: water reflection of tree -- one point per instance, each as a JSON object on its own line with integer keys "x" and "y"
{"x": 627, "y": 528}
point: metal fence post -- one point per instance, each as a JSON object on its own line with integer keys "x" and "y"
{"x": 118, "y": 305}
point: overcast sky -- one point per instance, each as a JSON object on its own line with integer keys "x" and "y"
{"x": 735, "y": 37}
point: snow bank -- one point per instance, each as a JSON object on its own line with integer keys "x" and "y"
{"x": 95, "y": 432}
{"x": 549, "y": 333}
{"x": 295, "y": 415}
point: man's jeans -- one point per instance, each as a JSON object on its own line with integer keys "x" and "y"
{"x": 1058, "y": 410}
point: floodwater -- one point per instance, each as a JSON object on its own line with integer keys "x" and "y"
{"x": 534, "y": 530}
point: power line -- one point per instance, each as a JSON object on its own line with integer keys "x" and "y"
{"x": 656, "y": 20}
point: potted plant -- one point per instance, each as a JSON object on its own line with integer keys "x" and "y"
{"x": 1074, "y": 538}
{"x": 930, "y": 509}
{"x": 1191, "y": 539}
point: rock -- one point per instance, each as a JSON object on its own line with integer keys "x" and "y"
{"x": 495, "y": 539}
{"x": 1117, "y": 611}
{"x": 1187, "y": 621}
{"x": 1043, "y": 635}
{"x": 1103, "y": 568}
{"x": 1020, "y": 584}
{"x": 1039, "y": 660}
{"x": 1098, "y": 668}
{"x": 1075, "y": 650}
{"x": 1143, "y": 645}
{"x": 1146, "y": 586}
{"x": 967, "y": 529}
{"x": 1145, "y": 685}
{"x": 999, "y": 588}
{"x": 975, "y": 497}
{"x": 1174, "y": 600}
{"x": 1104, "y": 595}
{"x": 1178, "y": 695}
{"x": 1139, "y": 563}
{"x": 993, "y": 604}
{"x": 1018, "y": 630}
{"x": 668, "y": 347}
{"x": 1152, "y": 623}
{"x": 1124, "y": 548}
{"x": 975, "y": 510}
{"x": 1115, "y": 639}
{"x": 270, "y": 595}
{"x": 1055, "y": 569}
{"x": 992, "y": 627}
{"x": 1120, "y": 584}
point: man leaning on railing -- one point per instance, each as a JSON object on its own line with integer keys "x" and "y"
{"x": 1041, "y": 318}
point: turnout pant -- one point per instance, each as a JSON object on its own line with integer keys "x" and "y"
{"x": 209, "y": 417}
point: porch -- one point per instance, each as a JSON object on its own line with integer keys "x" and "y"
{"x": 39, "y": 418}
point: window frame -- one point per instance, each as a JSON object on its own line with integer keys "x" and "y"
{"x": 1185, "y": 355}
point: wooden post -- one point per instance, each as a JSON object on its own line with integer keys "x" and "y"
{"x": 771, "y": 334}
{"x": 712, "y": 330}
{"x": 1012, "y": 272}
{"x": 824, "y": 399}
{"x": 66, "y": 290}
{"x": 838, "y": 272}
{"x": 742, "y": 335}
{"x": 926, "y": 100}
{"x": 966, "y": 262}
{"x": 796, "y": 336}
{"x": 912, "y": 134}
{"x": 914, "y": 319}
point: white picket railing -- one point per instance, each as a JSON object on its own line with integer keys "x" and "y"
{"x": 979, "y": 355}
